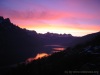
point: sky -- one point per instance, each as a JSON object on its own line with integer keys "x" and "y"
{"x": 77, "y": 17}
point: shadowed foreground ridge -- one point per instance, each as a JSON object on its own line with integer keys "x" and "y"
{"x": 16, "y": 45}
{"x": 83, "y": 57}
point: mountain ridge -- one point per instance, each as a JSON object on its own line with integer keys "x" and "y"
{"x": 15, "y": 42}
{"x": 17, "y": 45}
{"x": 84, "y": 57}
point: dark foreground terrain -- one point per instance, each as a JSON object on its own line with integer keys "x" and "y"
{"x": 81, "y": 59}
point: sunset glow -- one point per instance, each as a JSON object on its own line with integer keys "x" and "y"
{"x": 38, "y": 56}
{"x": 41, "y": 55}
{"x": 77, "y": 17}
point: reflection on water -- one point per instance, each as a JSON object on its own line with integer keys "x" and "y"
{"x": 58, "y": 49}
{"x": 41, "y": 55}
{"x": 38, "y": 56}
{"x": 55, "y": 48}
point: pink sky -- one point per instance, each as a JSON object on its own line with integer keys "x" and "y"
{"x": 78, "y": 17}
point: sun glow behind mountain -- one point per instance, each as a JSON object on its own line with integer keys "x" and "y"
{"x": 62, "y": 30}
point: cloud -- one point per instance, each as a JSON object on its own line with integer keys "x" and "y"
{"x": 37, "y": 10}
{"x": 53, "y": 14}
{"x": 45, "y": 14}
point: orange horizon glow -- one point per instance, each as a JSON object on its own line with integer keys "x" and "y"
{"x": 61, "y": 29}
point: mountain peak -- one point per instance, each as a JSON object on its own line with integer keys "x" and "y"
{"x": 7, "y": 20}
{"x": 1, "y": 19}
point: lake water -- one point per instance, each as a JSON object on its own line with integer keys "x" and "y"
{"x": 56, "y": 48}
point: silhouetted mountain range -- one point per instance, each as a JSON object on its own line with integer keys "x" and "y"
{"x": 81, "y": 59}
{"x": 17, "y": 45}
{"x": 22, "y": 43}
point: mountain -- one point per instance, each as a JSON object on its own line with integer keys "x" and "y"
{"x": 80, "y": 40}
{"x": 54, "y": 38}
{"x": 16, "y": 44}
{"x": 80, "y": 59}
{"x": 22, "y": 43}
